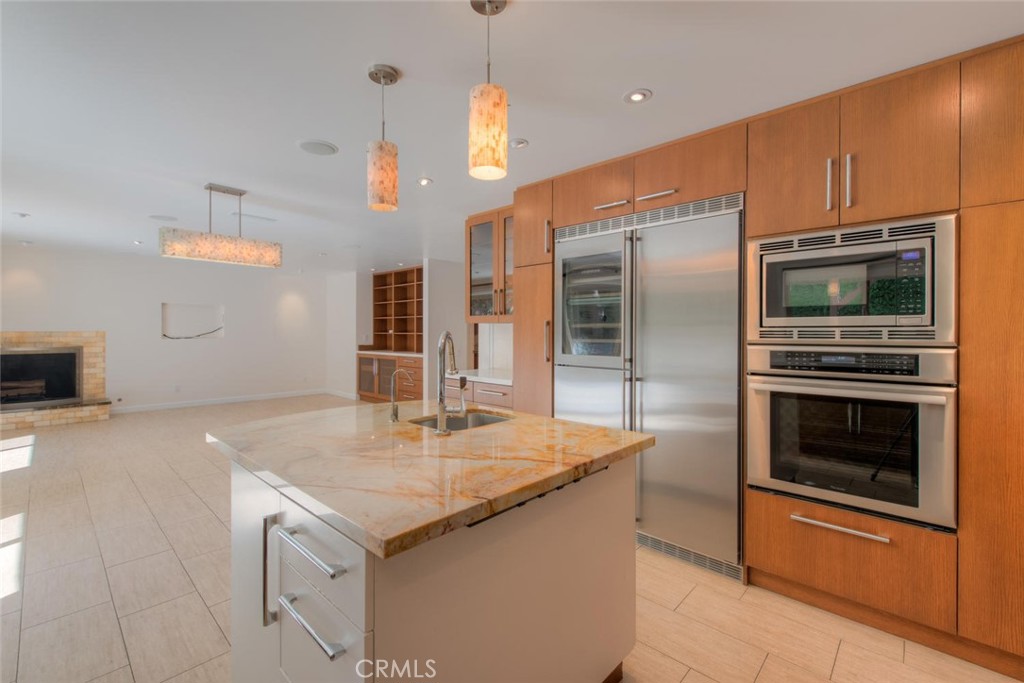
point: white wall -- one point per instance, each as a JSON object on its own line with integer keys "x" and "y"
{"x": 275, "y": 322}
{"x": 444, "y": 309}
{"x": 345, "y": 310}
{"x": 495, "y": 346}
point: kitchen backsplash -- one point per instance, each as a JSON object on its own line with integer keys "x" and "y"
{"x": 495, "y": 345}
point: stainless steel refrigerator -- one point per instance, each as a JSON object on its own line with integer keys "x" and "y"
{"x": 647, "y": 337}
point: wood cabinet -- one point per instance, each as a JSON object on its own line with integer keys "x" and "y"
{"x": 373, "y": 377}
{"x": 486, "y": 393}
{"x": 900, "y": 146}
{"x": 534, "y": 240}
{"x": 991, "y": 456}
{"x": 595, "y": 193}
{"x": 793, "y": 177}
{"x": 696, "y": 168}
{"x": 533, "y": 340}
{"x": 490, "y": 257}
{"x": 398, "y": 310}
{"x": 911, "y": 574}
{"x": 992, "y": 139}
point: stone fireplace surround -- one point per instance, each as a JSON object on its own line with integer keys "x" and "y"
{"x": 94, "y": 406}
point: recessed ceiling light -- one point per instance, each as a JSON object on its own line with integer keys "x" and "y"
{"x": 401, "y": 264}
{"x": 424, "y": 181}
{"x": 638, "y": 96}
{"x": 373, "y": 270}
{"x": 165, "y": 219}
{"x": 518, "y": 143}
{"x": 137, "y": 242}
{"x": 26, "y": 243}
{"x": 320, "y": 148}
{"x": 21, "y": 214}
{"x": 323, "y": 253}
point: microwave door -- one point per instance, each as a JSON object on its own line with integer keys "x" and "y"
{"x": 877, "y": 284}
{"x": 592, "y": 301}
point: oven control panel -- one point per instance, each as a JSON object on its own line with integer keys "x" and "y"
{"x": 850, "y": 362}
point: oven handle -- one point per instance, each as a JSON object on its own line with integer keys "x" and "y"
{"x": 840, "y": 529}
{"x": 850, "y": 393}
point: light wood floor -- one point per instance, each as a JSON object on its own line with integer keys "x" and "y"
{"x": 114, "y": 567}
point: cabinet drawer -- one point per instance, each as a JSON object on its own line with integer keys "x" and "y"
{"x": 415, "y": 373}
{"x": 901, "y": 568}
{"x": 492, "y": 394}
{"x": 408, "y": 363}
{"x": 351, "y": 591}
{"x": 302, "y": 659}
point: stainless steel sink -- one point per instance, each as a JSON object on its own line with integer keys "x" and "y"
{"x": 458, "y": 423}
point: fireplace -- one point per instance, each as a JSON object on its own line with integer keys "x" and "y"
{"x": 32, "y": 378}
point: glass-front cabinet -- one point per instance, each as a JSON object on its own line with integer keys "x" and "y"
{"x": 489, "y": 270}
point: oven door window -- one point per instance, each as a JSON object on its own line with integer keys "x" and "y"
{"x": 864, "y": 448}
{"x": 881, "y": 282}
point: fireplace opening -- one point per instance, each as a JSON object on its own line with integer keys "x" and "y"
{"x": 31, "y": 378}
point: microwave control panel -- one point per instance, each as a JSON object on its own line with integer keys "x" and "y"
{"x": 841, "y": 361}
{"x": 910, "y": 282}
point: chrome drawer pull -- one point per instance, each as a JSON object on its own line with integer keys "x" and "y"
{"x": 490, "y": 393}
{"x": 611, "y": 205}
{"x": 840, "y": 529}
{"x": 547, "y": 236}
{"x": 332, "y": 570}
{"x": 268, "y": 616}
{"x": 332, "y": 650}
{"x": 656, "y": 195}
{"x": 828, "y": 184}
{"x": 849, "y": 182}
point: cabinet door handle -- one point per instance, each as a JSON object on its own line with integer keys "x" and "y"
{"x": 611, "y": 205}
{"x": 840, "y": 529}
{"x": 490, "y": 393}
{"x": 333, "y": 571}
{"x": 268, "y": 616}
{"x": 332, "y": 650}
{"x": 408, "y": 384}
{"x": 547, "y": 236}
{"x": 657, "y": 195}
{"x": 547, "y": 341}
{"x": 494, "y": 302}
{"x": 849, "y": 181}
{"x": 828, "y": 184}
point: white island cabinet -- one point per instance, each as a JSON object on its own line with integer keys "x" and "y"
{"x": 364, "y": 550}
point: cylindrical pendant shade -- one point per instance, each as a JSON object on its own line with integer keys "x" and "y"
{"x": 488, "y": 132}
{"x": 382, "y": 175}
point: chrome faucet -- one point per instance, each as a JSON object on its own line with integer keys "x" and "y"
{"x": 394, "y": 403}
{"x": 446, "y": 365}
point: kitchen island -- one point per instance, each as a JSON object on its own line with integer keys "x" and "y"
{"x": 366, "y": 550}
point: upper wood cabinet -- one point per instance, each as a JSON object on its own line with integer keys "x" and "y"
{"x": 696, "y": 168}
{"x": 992, "y": 140}
{"x": 603, "y": 191}
{"x": 532, "y": 340}
{"x": 793, "y": 179}
{"x": 534, "y": 242}
{"x": 490, "y": 255}
{"x": 991, "y": 466}
{"x": 900, "y": 146}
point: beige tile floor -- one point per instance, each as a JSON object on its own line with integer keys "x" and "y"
{"x": 114, "y": 567}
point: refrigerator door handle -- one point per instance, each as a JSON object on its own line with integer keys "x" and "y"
{"x": 626, "y": 323}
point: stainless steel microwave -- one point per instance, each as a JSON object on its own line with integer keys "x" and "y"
{"x": 889, "y": 283}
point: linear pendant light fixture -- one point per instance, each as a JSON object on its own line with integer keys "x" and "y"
{"x": 488, "y": 113}
{"x": 209, "y": 246}
{"x": 382, "y": 155}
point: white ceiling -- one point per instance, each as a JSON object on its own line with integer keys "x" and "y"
{"x": 115, "y": 111}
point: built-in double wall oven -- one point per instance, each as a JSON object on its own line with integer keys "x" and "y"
{"x": 856, "y": 402}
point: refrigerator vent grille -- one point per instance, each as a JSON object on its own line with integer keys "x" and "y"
{"x": 860, "y": 334}
{"x": 820, "y": 241}
{"x": 816, "y": 334}
{"x": 923, "y": 229}
{"x": 781, "y": 245}
{"x": 911, "y": 334}
{"x": 645, "y": 219}
{"x": 861, "y": 235}
{"x": 711, "y": 564}
{"x": 776, "y": 334}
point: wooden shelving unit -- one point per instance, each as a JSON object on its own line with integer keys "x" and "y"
{"x": 398, "y": 310}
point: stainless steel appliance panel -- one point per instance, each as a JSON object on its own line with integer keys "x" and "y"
{"x": 686, "y": 364}
{"x": 934, "y": 366}
{"x": 592, "y": 301}
{"x": 596, "y": 396}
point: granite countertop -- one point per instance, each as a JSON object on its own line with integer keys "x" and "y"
{"x": 391, "y": 486}
{"x": 490, "y": 375}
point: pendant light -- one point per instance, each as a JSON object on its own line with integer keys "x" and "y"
{"x": 488, "y": 113}
{"x": 382, "y": 155}
{"x": 211, "y": 246}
